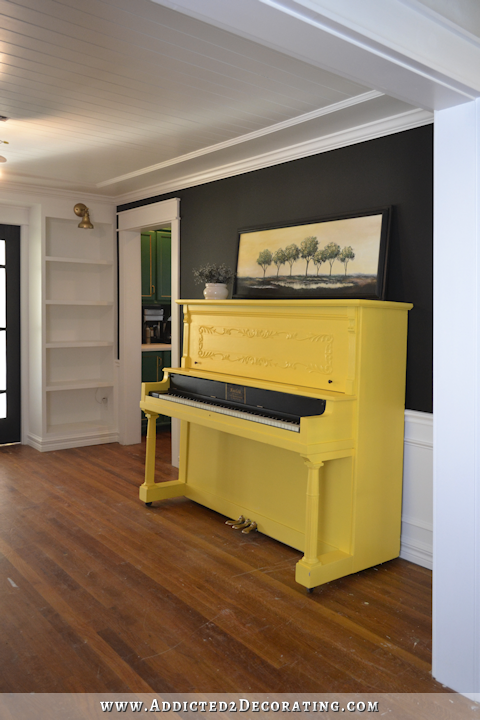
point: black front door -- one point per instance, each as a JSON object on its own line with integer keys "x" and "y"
{"x": 9, "y": 334}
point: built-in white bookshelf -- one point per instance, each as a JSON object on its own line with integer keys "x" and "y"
{"x": 79, "y": 323}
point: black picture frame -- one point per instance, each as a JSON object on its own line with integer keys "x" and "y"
{"x": 358, "y": 239}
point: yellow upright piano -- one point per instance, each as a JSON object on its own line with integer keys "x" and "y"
{"x": 292, "y": 416}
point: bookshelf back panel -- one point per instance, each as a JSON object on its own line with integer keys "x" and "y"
{"x": 66, "y": 239}
{"x": 74, "y": 283}
{"x": 80, "y": 406}
{"x": 78, "y": 364}
{"x": 70, "y": 323}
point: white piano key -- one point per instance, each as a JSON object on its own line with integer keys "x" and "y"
{"x": 264, "y": 420}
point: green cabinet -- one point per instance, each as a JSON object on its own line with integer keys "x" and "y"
{"x": 156, "y": 262}
{"x": 153, "y": 362}
{"x": 156, "y": 290}
{"x": 163, "y": 287}
{"x": 149, "y": 251}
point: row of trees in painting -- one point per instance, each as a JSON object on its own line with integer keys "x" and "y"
{"x": 308, "y": 251}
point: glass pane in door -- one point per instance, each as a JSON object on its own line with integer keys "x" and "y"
{"x": 3, "y": 299}
{"x": 3, "y": 334}
{"x": 3, "y": 361}
{"x": 10, "y": 404}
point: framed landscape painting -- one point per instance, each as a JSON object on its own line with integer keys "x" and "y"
{"x": 340, "y": 257}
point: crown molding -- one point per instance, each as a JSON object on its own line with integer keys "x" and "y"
{"x": 298, "y": 120}
{"x": 8, "y": 186}
{"x": 369, "y": 131}
{"x": 361, "y": 133}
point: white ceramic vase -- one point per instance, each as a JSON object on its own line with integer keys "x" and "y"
{"x": 215, "y": 291}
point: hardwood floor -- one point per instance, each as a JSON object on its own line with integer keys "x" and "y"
{"x": 101, "y": 594}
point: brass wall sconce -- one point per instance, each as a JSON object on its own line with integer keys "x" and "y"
{"x": 81, "y": 210}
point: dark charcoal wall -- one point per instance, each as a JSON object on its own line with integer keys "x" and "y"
{"x": 396, "y": 170}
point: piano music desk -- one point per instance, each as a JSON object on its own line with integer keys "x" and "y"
{"x": 332, "y": 489}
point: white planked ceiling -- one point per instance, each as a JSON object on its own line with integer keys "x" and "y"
{"x": 110, "y": 96}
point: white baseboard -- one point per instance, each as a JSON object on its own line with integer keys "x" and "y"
{"x": 57, "y": 443}
{"x": 417, "y": 509}
{"x": 413, "y": 548}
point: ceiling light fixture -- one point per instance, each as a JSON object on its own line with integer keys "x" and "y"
{"x": 81, "y": 210}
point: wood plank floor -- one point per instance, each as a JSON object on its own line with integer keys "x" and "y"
{"x": 101, "y": 594}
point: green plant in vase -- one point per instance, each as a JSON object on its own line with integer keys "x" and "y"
{"x": 215, "y": 278}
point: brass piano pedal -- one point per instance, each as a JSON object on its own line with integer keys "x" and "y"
{"x": 249, "y": 528}
{"x": 241, "y": 519}
{"x": 244, "y": 524}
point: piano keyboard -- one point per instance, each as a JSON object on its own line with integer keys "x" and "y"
{"x": 254, "y": 417}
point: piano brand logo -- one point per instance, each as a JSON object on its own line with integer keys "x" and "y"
{"x": 235, "y": 393}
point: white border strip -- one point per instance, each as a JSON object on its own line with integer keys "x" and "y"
{"x": 416, "y": 544}
{"x": 417, "y": 552}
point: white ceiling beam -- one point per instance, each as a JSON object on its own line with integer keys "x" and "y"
{"x": 389, "y": 45}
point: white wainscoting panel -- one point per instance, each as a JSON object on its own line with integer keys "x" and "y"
{"x": 417, "y": 507}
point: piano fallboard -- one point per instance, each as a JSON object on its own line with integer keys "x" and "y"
{"x": 253, "y": 400}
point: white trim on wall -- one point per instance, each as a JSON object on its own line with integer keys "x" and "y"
{"x": 417, "y": 509}
{"x": 37, "y": 193}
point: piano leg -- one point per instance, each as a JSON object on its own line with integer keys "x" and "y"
{"x": 313, "y": 513}
{"x": 150, "y": 490}
{"x": 150, "y": 453}
{"x": 314, "y": 569}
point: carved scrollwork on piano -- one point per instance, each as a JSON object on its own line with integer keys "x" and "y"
{"x": 263, "y": 334}
{"x": 208, "y": 331}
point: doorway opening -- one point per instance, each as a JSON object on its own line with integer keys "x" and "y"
{"x": 132, "y": 223}
{"x": 155, "y": 248}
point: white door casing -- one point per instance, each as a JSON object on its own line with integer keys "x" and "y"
{"x": 130, "y": 225}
